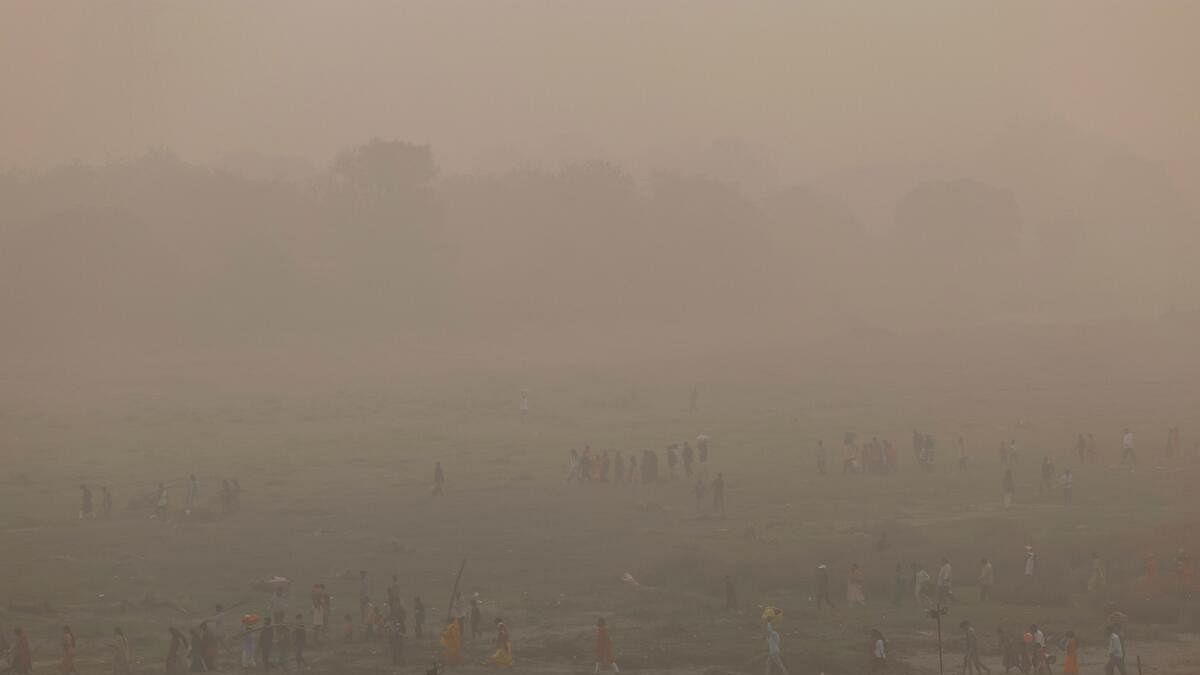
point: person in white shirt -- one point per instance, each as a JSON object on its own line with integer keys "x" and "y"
{"x": 773, "y": 658}
{"x": 878, "y": 651}
{"x": 1030, "y": 561}
{"x": 1127, "y": 455}
{"x": 524, "y": 405}
{"x": 944, "y": 577}
{"x": 1116, "y": 653}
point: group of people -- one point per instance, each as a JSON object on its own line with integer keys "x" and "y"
{"x": 607, "y": 466}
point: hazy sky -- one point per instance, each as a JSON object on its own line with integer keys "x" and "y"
{"x": 832, "y": 84}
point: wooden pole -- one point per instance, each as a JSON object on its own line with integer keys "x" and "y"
{"x": 450, "y": 605}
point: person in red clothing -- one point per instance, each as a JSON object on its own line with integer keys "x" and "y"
{"x": 604, "y": 647}
{"x": 22, "y": 655}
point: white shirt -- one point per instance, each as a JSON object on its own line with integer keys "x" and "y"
{"x": 1127, "y": 440}
{"x": 772, "y": 641}
{"x": 1040, "y": 638}
{"x": 1114, "y": 646}
{"x": 1029, "y": 562}
{"x": 944, "y": 575}
{"x": 880, "y": 650}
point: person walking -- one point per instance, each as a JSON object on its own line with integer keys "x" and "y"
{"x": 944, "y": 579}
{"x": 773, "y": 654}
{"x": 878, "y": 651}
{"x": 1128, "y": 457}
{"x": 987, "y": 579}
{"x": 604, "y": 648}
{"x": 822, "y": 583}
{"x": 1116, "y": 653}
{"x": 1009, "y": 488}
{"x": 971, "y": 661}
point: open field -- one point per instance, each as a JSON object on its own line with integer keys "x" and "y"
{"x": 336, "y": 475}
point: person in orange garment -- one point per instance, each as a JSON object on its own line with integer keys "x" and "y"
{"x": 1071, "y": 664}
{"x": 604, "y": 647}
{"x": 452, "y": 641}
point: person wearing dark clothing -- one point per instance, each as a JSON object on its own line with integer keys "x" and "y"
{"x": 300, "y": 641}
{"x": 395, "y": 632}
{"x": 266, "y": 643}
{"x": 730, "y": 595}
{"x": 419, "y": 615}
{"x": 476, "y": 618}
{"x": 718, "y": 490}
{"x": 822, "y": 583}
{"x": 439, "y": 480}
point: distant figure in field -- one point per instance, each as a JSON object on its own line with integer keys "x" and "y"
{"x": 160, "y": 504}
{"x": 1128, "y": 458}
{"x": 105, "y": 502}
{"x": 1009, "y": 488}
{"x": 299, "y": 641}
{"x": 1116, "y": 653}
{"x": 987, "y": 579}
{"x": 85, "y": 503}
{"x": 503, "y": 656}
{"x": 718, "y": 491}
{"x": 524, "y": 405}
{"x": 1071, "y": 662}
{"x": 1010, "y": 650}
{"x": 922, "y": 586}
{"x": 451, "y": 641}
{"x": 476, "y": 618}
{"x": 604, "y": 648}
{"x": 1091, "y": 448}
{"x": 122, "y": 661}
{"x": 878, "y": 652}
{"x": 439, "y": 480}
{"x": 899, "y": 586}
{"x": 731, "y": 603}
{"x": 418, "y": 616}
{"x": 702, "y": 447}
{"x": 856, "y": 587}
{"x": 1068, "y": 485}
{"x": 773, "y": 651}
{"x": 21, "y": 654}
{"x": 971, "y": 661}
{"x": 694, "y": 399}
{"x": 1150, "y": 565}
{"x": 822, "y": 457}
{"x": 672, "y": 461}
{"x": 176, "y": 651}
{"x": 266, "y": 643}
{"x": 962, "y": 454}
{"x": 821, "y": 581}
{"x": 688, "y": 458}
{"x": 1047, "y": 475}
{"x": 1099, "y": 577}
{"x": 364, "y": 596}
{"x": 193, "y": 492}
{"x": 945, "y": 577}
{"x": 1030, "y": 562}
{"x": 66, "y": 666}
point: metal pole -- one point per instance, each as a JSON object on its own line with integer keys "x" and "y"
{"x": 941, "y": 666}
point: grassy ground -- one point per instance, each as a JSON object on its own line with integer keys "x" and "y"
{"x": 336, "y": 478}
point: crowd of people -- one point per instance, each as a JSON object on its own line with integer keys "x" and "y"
{"x": 278, "y": 638}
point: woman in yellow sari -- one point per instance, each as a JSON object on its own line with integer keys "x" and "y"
{"x": 452, "y": 641}
{"x": 503, "y": 658}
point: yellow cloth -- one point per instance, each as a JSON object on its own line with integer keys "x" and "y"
{"x": 452, "y": 641}
{"x": 503, "y": 657}
{"x": 773, "y": 614}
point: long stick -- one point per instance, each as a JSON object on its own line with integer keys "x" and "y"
{"x": 453, "y": 593}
